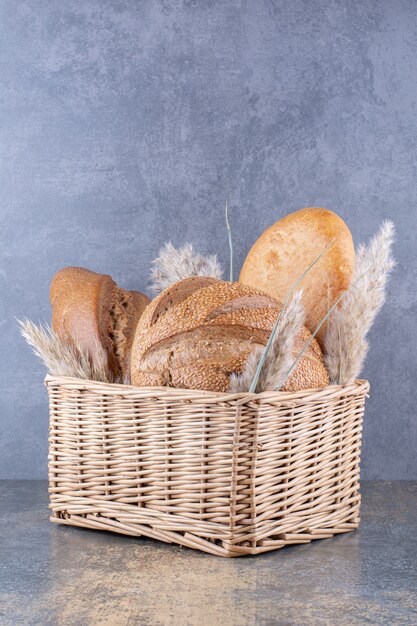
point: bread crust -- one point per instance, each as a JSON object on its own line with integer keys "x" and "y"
{"x": 200, "y": 330}
{"x": 90, "y": 309}
{"x": 286, "y": 249}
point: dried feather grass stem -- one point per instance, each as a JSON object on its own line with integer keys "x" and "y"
{"x": 174, "y": 264}
{"x": 229, "y": 235}
{"x": 240, "y": 383}
{"x": 278, "y": 338}
{"x": 274, "y": 363}
{"x": 64, "y": 359}
{"x": 346, "y": 345}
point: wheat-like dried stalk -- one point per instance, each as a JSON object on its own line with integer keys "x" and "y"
{"x": 229, "y": 236}
{"x": 174, "y": 264}
{"x": 277, "y": 362}
{"x": 240, "y": 383}
{"x": 257, "y": 372}
{"x": 64, "y": 359}
{"x": 279, "y": 358}
{"x": 346, "y": 345}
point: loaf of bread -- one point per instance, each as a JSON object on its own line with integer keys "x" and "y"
{"x": 286, "y": 249}
{"x": 200, "y": 330}
{"x": 91, "y": 310}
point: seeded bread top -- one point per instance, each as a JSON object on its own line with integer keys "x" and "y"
{"x": 200, "y": 330}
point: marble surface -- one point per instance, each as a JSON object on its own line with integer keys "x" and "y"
{"x": 127, "y": 123}
{"x": 58, "y": 575}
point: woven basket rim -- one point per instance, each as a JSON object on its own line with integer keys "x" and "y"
{"x": 330, "y": 391}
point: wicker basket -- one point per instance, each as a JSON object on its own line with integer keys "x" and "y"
{"x": 229, "y": 474}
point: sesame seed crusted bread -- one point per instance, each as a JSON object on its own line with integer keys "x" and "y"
{"x": 200, "y": 330}
{"x": 91, "y": 310}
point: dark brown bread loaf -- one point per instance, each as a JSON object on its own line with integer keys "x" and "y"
{"x": 91, "y": 310}
{"x": 200, "y": 330}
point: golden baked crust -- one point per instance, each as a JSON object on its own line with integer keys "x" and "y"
{"x": 92, "y": 310}
{"x": 200, "y": 330}
{"x": 285, "y": 250}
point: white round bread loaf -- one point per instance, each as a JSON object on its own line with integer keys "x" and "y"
{"x": 200, "y": 330}
{"x": 286, "y": 249}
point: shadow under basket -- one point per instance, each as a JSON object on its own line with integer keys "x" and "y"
{"x": 229, "y": 474}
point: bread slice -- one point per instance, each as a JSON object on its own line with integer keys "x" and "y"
{"x": 200, "y": 330}
{"x": 91, "y": 310}
{"x": 286, "y": 249}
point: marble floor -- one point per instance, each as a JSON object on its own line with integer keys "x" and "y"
{"x": 59, "y": 575}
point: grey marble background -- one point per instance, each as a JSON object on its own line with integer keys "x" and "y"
{"x": 125, "y": 123}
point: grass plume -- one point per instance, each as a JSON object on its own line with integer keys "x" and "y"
{"x": 64, "y": 359}
{"x": 174, "y": 264}
{"x": 278, "y": 360}
{"x": 346, "y": 345}
{"x": 240, "y": 383}
{"x": 271, "y": 339}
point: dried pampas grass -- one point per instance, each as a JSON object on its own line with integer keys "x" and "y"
{"x": 267, "y": 368}
{"x": 240, "y": 383}
{"x": 174, "y": 264}
{"x": 270, "y": 367}
{"x": 64, "y": 359}
{"x": 346, "y": 345}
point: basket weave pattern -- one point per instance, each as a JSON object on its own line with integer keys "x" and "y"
{"x": 229, "y": 474}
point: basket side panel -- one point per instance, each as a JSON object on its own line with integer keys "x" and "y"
{"x": 305, "y": 478}
{"x": 228, "y": 475}
{"x": 164, "y": 465}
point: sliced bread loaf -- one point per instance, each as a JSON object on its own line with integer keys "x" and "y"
{"x": 91, "y": 310}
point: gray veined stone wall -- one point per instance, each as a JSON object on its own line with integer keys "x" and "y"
{"x": 124, "y": 124}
